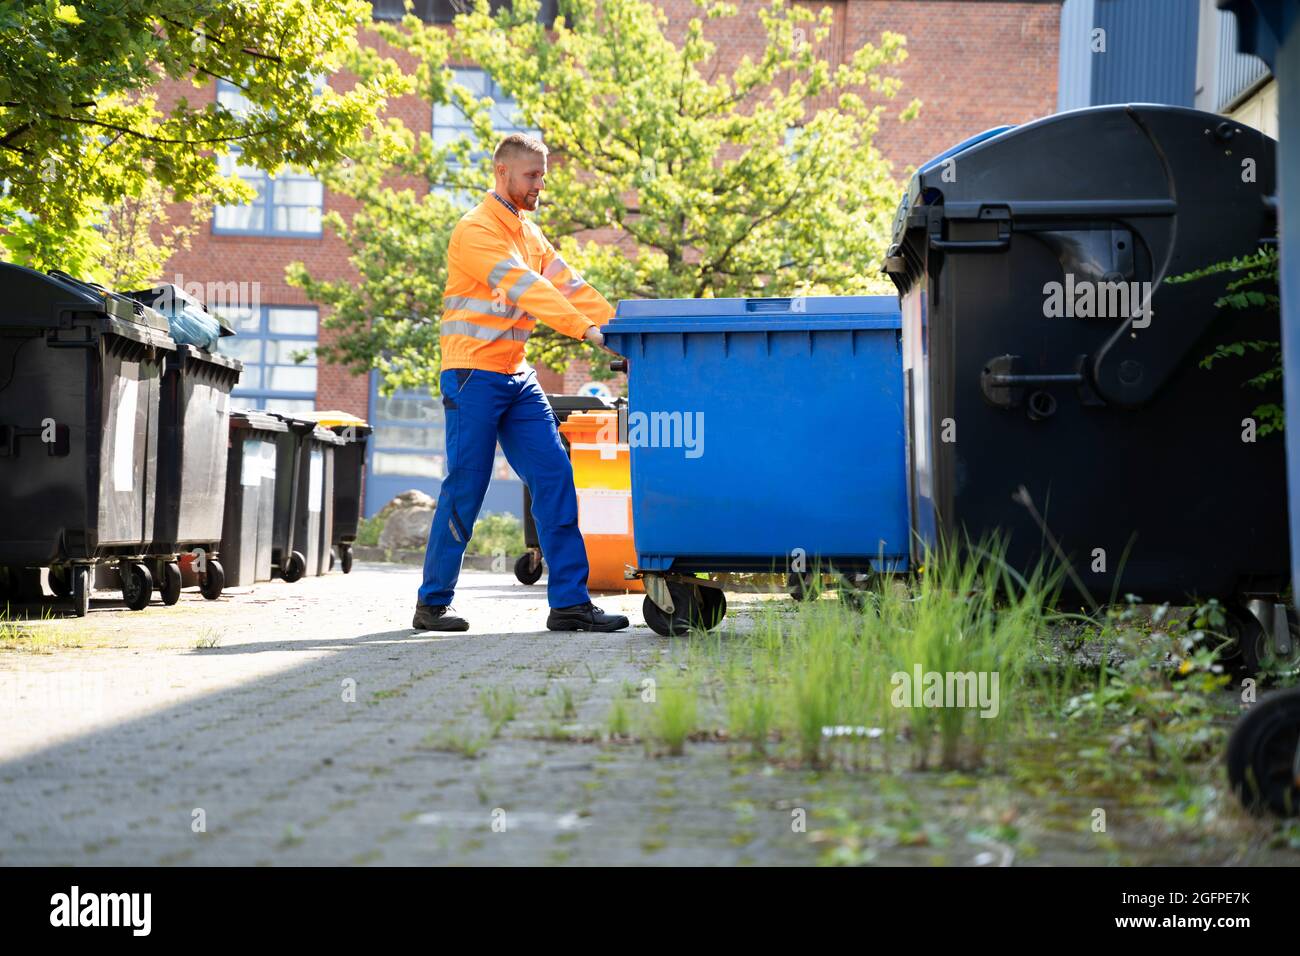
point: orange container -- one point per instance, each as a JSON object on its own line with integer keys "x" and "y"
{"x": 602, "y": 475}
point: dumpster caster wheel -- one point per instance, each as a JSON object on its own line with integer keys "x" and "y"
{"x": 170, "y": 585}
{"x": 137, "y": 586}
{"x": 80, "y": 586}
{"x": 346, "y": 559}
{"x": 529, "y": 568}
{"x": 803, "y": 585}
{"x": 1257, "y": 653}
{"x": 60, "y": 583}
{"x": 660, "y": 622}
{"x": 331, "y": 567}
{"x": 294, "y": 567}
{"x": 1264, "y": 755}
{"x": 713, "y": 607}
{"x": 213, "y": 581}
{"x": 690, "y": 609}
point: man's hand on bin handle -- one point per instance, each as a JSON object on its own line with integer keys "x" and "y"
{"x": 594, "y": 336}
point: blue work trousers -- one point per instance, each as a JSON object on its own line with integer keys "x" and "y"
{"x": 483, "y": 408}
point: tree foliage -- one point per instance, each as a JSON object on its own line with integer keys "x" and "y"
{"x": 82, "y": 134}
{"x": 698, "y": 181}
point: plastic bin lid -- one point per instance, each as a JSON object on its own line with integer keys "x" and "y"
{"x": 38, "y": 299}
{"x": 336, "y": 419}
{"x": 252, "y": 419}
{"x": 572, "y": 403}
{"x": 796, "y": 313}
{"x": 327, "y": 437}
{"x": 590, "y": 422}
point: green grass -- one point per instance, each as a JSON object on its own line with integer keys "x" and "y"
{"x": 619, "y": 723}
{"x": 369, "y": 530}
{"x": 828, "y": 679}
{"x": 563, "y": 705}
{"x": 675, "y": 713}
{"x": 500, "y": 706}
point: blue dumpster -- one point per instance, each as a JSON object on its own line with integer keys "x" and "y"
{"x": 763, "y": 433}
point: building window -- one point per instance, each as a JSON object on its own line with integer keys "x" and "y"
{"x": 287, "y": 204}
{"x": 450, "y": 124}
{"x": 267, "y": 340}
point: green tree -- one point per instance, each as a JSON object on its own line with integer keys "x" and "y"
{"x": 83, "y": 141}
{"x": 711, "y": 183}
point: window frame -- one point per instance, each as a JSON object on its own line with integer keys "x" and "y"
{"x": 261, "y": 395}
{"x": 267, "y": 184}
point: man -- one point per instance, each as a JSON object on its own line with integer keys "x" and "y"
{"x": 503, "y": 277}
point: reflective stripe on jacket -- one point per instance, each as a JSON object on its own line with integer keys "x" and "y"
{"x": 503, "y": 277}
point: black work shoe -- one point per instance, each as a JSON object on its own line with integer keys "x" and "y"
{"x": 434, "y": 617}
{"x": 584, "y": 617}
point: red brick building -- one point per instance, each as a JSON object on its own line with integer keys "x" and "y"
{"x": 972, "y": 63}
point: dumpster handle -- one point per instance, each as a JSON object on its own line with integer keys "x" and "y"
{"x": 970, "y": 245}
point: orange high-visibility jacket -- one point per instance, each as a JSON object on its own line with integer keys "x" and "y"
{"x": 503, "y": 277}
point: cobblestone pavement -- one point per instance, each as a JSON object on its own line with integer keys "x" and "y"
{"x": 308, "y": 724}
{"x": 134, "y": 728}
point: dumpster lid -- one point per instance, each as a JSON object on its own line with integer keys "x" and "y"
{"x": 203, "y": 355}
{"x": 42, "y": 299}
{"x": 252, "y": 419}
{"x": 796, "y": 313}
{"x": 592, "y": 421}
{"x": 1099, "y": 162}
{"x": 573, "y": 403}
{"x": 336, "y": 419}
{"x": 327, "y": 437}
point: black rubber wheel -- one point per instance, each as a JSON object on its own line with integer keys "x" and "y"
{"x": 1257, "y": 654}
{"x": 61, "y": 582}
{"x": 713, "y": 607}
{"x": 688, "y": 610}
{"x": 346, "y": 559}
{"x": 170, "y": 585}
{"x": 137, "y": 586}
{"x": 331, "y": 567}
{"x": 803, "y": 585}
{"x": 526, "y": 572}
{"x": 294, "y": 567}
{"x": 1262, "y": 755}
{"x": 80, "y": 586}
{"x": 213, "y": 581}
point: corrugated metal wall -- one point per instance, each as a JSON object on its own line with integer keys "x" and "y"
{"x": 1235, "y": 73}
{"x": 1074, "y": 80}
{"x": 1150, "y": 52}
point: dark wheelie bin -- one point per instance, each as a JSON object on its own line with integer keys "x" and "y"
{"x": 529, "y": 565}
{"x": 248, "y": 527}
{"x": 79, "y": 409}
{"x": 1056, "y": 392}
{"x": 193, "y": 435}
{"x": 349, "y": 475}
{"x": 304, "y": 504}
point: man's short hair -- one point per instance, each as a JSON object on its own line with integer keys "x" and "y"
{"x": 516, "y": 144}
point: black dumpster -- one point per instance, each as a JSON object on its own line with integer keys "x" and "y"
{"x": 79, "y": 410}
{"x": 248, "y": 526}
{"x": 529, "y": 565}
{"x": 193, "y": 436}
{"x": 1055, "y": 389}
{"x": 349, "y": 476}
{"x": 304, "y": 505}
